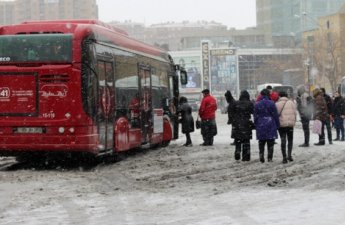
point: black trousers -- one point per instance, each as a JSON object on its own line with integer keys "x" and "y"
{"x": 242, "y": 145}
{"x": 286, "y": 133}
{"x": 270, "y": 148}
{"x": 322, "y": 137}
{"x": 306, "y": 130}
{"x": 188, "y": 140}
{"x": 208, "y": 131}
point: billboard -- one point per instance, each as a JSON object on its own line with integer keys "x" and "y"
{"x": 224, "y": 72}
{"x": 192, "y": 64}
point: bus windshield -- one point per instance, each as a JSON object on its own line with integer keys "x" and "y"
{"x": 52, "y": 48}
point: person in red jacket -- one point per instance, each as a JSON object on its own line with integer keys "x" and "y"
{"x": 207, "y": 113}
{"x": 274, "y": 96}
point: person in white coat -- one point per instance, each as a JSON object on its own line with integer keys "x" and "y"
{"x": 287, "y": 118}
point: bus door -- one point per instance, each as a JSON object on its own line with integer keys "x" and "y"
{"x": 146, "y": 102}
{"x": 106, "y": 104}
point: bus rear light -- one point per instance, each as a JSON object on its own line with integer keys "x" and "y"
{"x": 61, "y": 130}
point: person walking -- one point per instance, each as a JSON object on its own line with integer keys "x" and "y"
{"x": 207, "y": 113}
{"x": 266, "y": 121}
{"x": 321, "y": 113}
{"x": 187, "y": 121}
{"x": 305, "y": 110}
{"x": 339, "y": 112}
{"x": 242, "y": 125}
{"x": 287, "y": 120}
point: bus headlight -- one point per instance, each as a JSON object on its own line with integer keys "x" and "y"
{"x": 61, "y": 130}
{"x": 71, "y": 130}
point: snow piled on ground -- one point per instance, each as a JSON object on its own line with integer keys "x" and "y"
{"x": 179, "y": 185}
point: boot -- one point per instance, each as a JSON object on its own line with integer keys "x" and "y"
{"x": 238, "y": 150}
{"x": 262, "y": 158}
{"x": 270, "y": 153}
{"x": 284, "y": 155}
{"x": 246, "y": 152}
{"x": 320, "y": 143}
{"x": 303, "y": 145}
{"x": 289, "y": 155}
{"x": 306, "y": 139}
{"x": 261, "y": 155}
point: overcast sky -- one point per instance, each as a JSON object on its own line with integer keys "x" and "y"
{"x": 233, "y": 13}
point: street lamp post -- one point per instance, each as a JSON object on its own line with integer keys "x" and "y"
{"x": 307, "y": 64}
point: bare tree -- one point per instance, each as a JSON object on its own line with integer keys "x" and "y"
{"x": 272, "y": 70}
{"x": 325, "y": 53}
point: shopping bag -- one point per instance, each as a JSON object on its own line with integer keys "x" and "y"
{"x": 317, "y": 127}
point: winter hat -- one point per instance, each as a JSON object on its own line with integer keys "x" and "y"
{"x": 265, "y": 92}
{"x": 316, "y": 92}
{"x": 205, "y": 91}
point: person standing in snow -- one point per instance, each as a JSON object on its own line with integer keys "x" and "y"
{"x": 230, "y": 100}
{"x": 329, "y": 103}
{"x": 305, "y": 109}
{"x": 187, "y": 121}
{"x": 321, "y": 113}
{"x": 242, "y": 125}
{"x": 266, "y": 121}
{"x": 273, "y": 94}
{"x": 339, "y": 113}
{"x": 287, "y": 120}
{"x": 207, "y": 113}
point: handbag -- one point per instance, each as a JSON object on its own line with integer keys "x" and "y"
{"x": 197, "y": 123}
{"x": 317, "y": 127}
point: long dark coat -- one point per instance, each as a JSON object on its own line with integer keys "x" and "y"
{"x": 241, "y": 112}
{"x": 187, "y": 120}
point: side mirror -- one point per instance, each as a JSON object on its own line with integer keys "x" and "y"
{"x": 183, "y": 77}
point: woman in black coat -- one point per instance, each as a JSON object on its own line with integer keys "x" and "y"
{"x": 230, "y": 100}
{"x": 187, "y": 121}
{"x": 242, "y": 125}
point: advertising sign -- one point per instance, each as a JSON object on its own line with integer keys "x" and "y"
{"x": 224, "y": 74}
{"x": 192, "y": 64}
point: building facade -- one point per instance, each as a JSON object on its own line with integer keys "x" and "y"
{"x": 222, "y": 69}
{"x": 18, "y": 11}
{"x": 188, "y": 35}
{"x": 7, "y": 12}
{"x": 283, "y": 22}
{"x": 324, "y": 51}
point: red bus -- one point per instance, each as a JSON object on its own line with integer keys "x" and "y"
{"x": 82, "y": 86}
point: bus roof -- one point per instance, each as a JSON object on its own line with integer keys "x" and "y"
{"x": 80, "y": 29}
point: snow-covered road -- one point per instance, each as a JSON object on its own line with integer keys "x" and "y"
{"x": 184, "y": 185}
